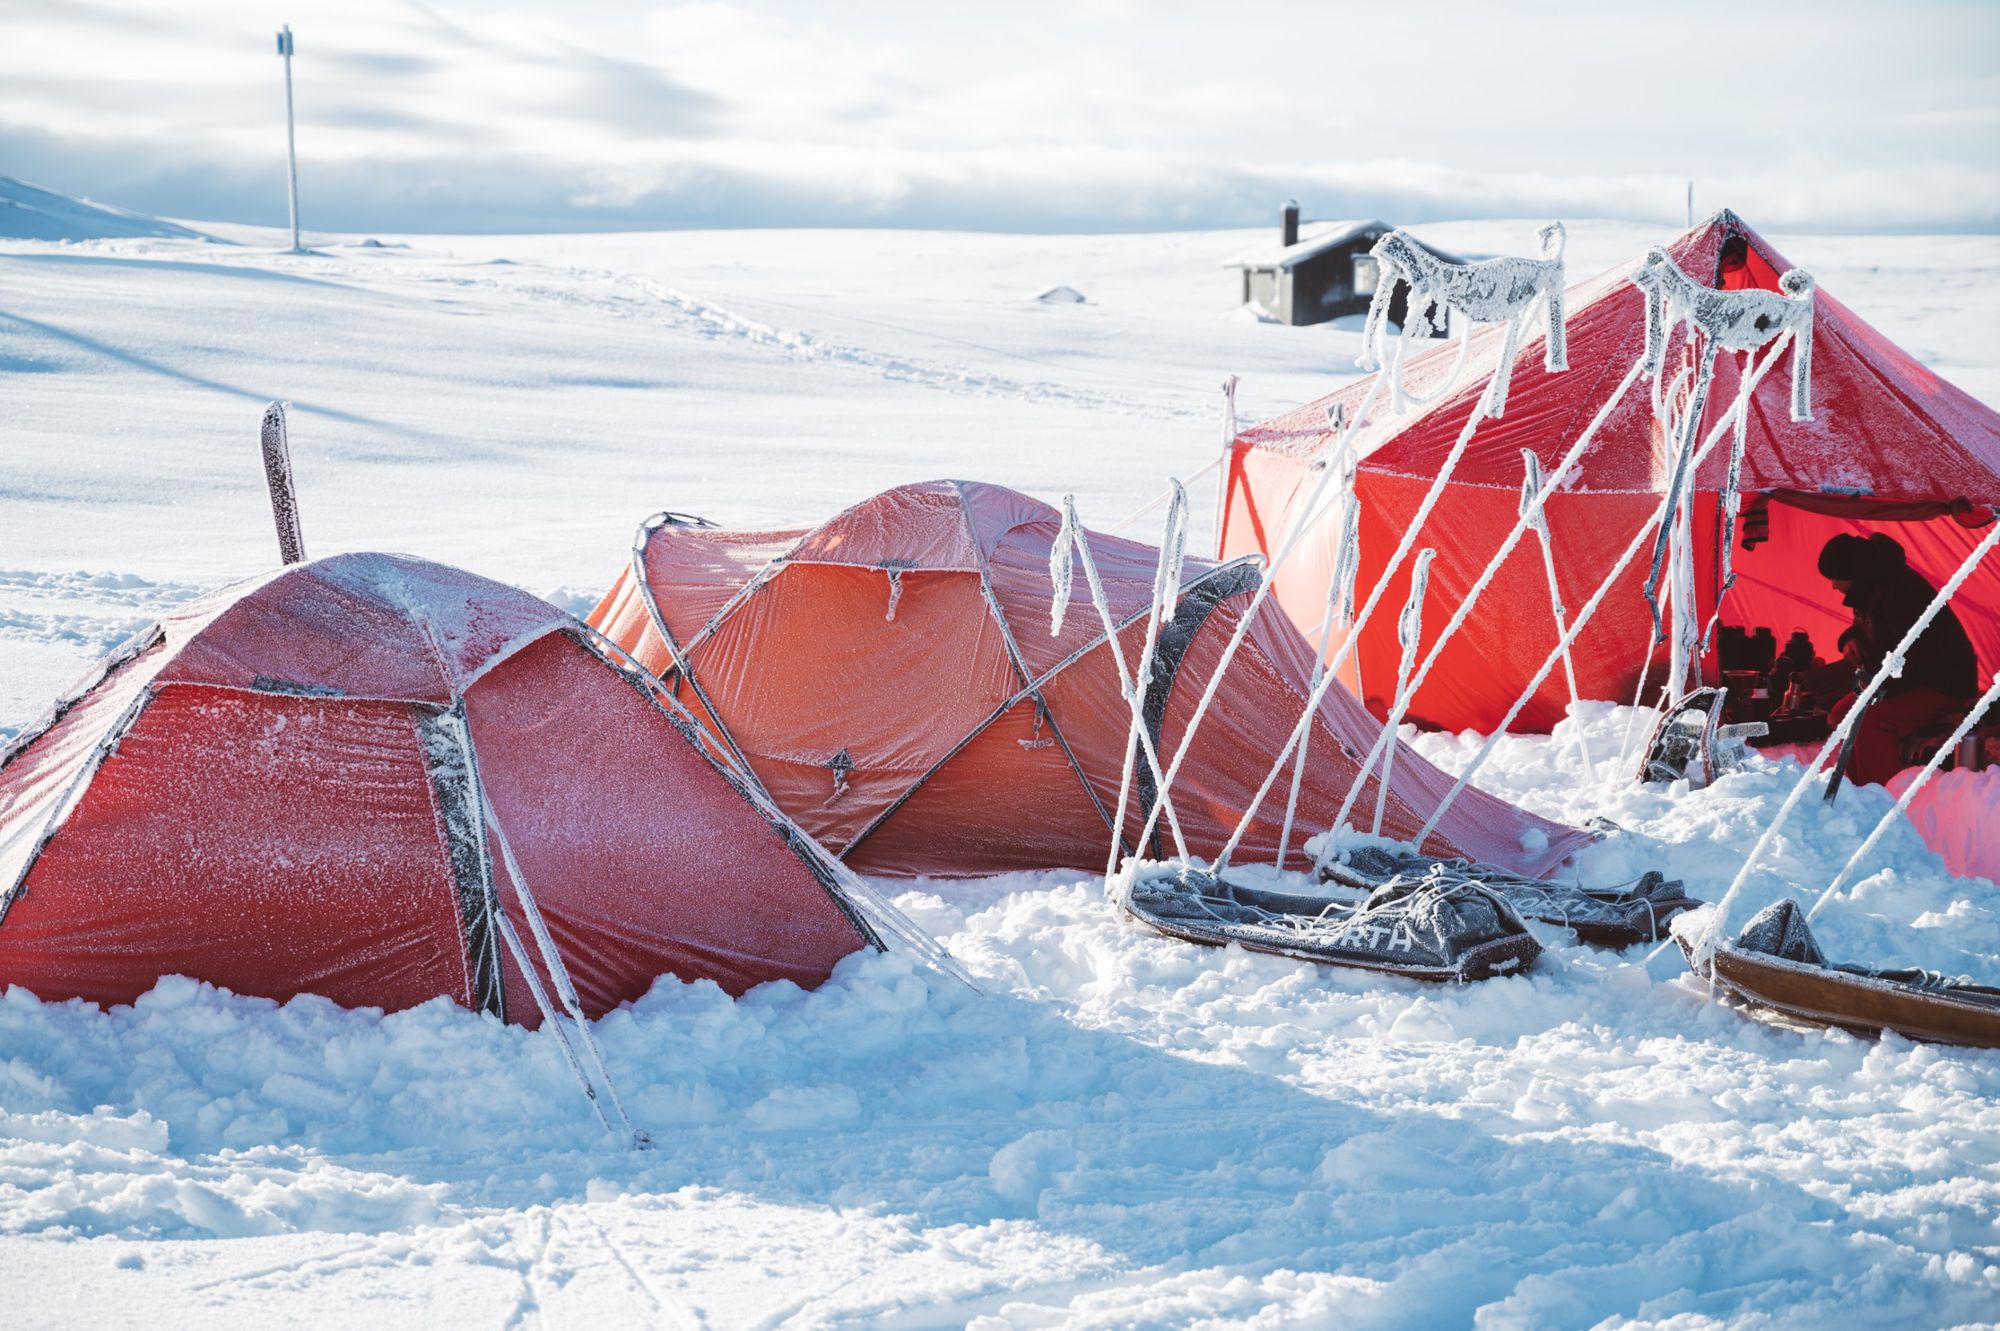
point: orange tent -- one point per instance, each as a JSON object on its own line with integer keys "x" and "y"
{"x": 891, "y": 678}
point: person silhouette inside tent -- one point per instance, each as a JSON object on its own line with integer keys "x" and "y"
{"x": 1940, "y": 670}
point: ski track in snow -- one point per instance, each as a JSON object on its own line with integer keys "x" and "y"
{"x": 628, "y": 295}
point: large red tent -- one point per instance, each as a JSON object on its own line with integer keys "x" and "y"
{"x": 344, "y": 777}
{"x": 1891, "y": 447}
{"x": 891, "y": 677}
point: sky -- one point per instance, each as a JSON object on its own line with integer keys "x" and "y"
{"x": 1072, "y": 115}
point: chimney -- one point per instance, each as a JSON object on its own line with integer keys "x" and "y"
{"x": 1288, "y": 223}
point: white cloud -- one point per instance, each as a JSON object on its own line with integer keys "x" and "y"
{"x": 1036, "y": 115}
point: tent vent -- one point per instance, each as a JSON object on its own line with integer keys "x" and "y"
{"x": 272, "y": 684}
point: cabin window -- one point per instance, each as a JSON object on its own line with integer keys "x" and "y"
{"x": 1367, "y": 275}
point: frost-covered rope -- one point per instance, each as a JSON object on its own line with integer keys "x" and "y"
{"x": 1340, "y": 613}
{"x": 1506, "y": 290}
{"x": 1964, "y": 728}
{"x": 1538, "y": 519}
{"x": 1732, "y": 501}
{"x": 1410, "y": 635}
{"x": 1659, "y": 516}
{"x": 1305, "y": 518}
{"x": 1062, "y": 571}
{"x": 1742, "y": 320}
{"x": 1162, "y": 497}
{"x": 1464, "y": 611}
{"x": 1134, "y": 696}
{"x": 1401, "y": 397}
{"x": 1891, "y": 667}
{"x": 541, "y": 996}
{"x": 1404, "y": 544}
{"x": 1166, "y": 596}
{"x": 1583, "y": 617}
{"x": 1222, "y": 459}
{"x": 1684, "y": 427}
{"x": 558, "y": 972}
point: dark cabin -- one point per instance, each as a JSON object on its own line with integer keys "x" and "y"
{"x": 1323, "y": 271}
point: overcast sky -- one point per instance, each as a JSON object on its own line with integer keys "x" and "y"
{"x": 1074, "y": 115}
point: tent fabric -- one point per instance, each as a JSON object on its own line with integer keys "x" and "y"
{"x": 891, "y": 677}
{"x": 1891, "y": 447}
{"x": 280, "y": 790}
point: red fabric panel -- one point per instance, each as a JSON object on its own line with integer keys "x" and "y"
{"x": 709, "y": 565}
{"x": 271, "y": 845}
{"x": 919, "y": 525}
{"x": 1009, "y": 800}
{"x": 812, "y": 666}
{"x": 643, "y": 858}
{"x": 1512, "y": 629}
{"x": 622, "y": 617}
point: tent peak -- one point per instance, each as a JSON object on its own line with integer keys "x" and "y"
{"x": 431, "y": 629}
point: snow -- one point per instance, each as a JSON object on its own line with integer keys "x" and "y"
{"x": 1117, "y": 1129}
{"x": 29, "y": 212}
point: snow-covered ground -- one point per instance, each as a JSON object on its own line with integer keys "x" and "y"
{"x": 1119, "y": 1130}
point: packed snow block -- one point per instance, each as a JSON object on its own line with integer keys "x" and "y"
{"x": 297, "y": 784}
{"x": 1881, "y": 443}
{"x": 962, "y": 737}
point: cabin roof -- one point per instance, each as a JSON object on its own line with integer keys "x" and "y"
{"x": 1314, "y": 238}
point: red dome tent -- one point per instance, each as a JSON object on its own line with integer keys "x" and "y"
{"x": 891, "y": 677}
{"x": 333, "y": 779}
{"x": 1892, "y": 448}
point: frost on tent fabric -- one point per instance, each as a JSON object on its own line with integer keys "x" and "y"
{"x": 1504, "y": 291}
{"x": 289, "y": 788}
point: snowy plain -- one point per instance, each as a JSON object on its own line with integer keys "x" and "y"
{"x": 1118, "y": 1129}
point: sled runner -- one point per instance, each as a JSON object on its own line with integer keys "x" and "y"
{"x": 1429, "y": 928}
{"x": 1608, "y": 917}
{"x": 1775, "y": 963}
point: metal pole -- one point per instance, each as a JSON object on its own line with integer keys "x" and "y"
{"x": 291, "y": 140}
{"x": 1690, "y": 202}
